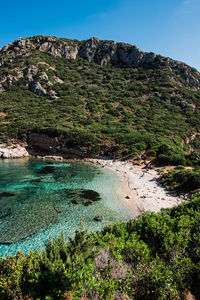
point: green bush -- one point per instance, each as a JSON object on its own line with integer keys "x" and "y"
{"x": 184, "y": 180}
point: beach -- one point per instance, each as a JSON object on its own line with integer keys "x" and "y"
{"x": 140, "y": 189}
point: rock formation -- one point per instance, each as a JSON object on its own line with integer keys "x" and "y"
{"x": 13, "y": 151}
{"x": 94, "y": 50}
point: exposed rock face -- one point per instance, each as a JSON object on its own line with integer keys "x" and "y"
{"x": 44, "y": 76}
{"x": 32, "y": 72}
{"x": 118, "y": 270}
{"x": 14, "y": 151}
{"x": 37, "y": 88}
{"x": 53, "y": 94}
{"x": 53, "y": 145}
{"x": 118, "y": 54}
{"x": 95, "y": 50}
{"x": 58, "y": 80}
{"x": 42, "y": 141}
{"x": 190, "y": 79}
{"x": 62, "y": 50}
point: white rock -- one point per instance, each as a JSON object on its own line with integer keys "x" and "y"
{"x": 13, "y": 151}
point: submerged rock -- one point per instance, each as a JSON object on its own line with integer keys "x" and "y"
{"x": 87, "y": 203}
{"x": 74, "y": 201}
{"x": 90, "y": 195}
{"x": 98, "y": 218}
{"x": 46, "y": 170}
{"x": 6, "y": 194}
{"x": 85, "y": 197}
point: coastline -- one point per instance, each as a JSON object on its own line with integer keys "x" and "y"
{"x": 139, "y": 189}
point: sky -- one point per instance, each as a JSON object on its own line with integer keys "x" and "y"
{"x": 167, "y": 27}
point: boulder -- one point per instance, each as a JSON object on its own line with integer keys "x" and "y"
{"x": 36, "y": 88}
{"x": 14, "y": 151}
{"x": 53, "y": 94}
{"x": 98, "y": 219}
{"x": 44, "y": 76}
{"x": 32, "y": 72}
{"x": 9, "y": 80}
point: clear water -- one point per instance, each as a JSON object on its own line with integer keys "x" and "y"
{"x": 39, "y": 199}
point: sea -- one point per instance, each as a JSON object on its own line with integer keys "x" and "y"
{"x": 39, "y": 199}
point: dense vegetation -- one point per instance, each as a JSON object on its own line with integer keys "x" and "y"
{"x": 156, "y": 256}
{"x": 120, "y": 112}
{"x": 182, "y": 180}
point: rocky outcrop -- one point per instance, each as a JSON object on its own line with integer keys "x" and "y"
{"x": 32, "y": 72}
{"x": 190, "y": 79}
{"x": 118, "y": 54}
{"x": 53, "y": 95}
{"x": 37, "y": 88}
{"x": 43, "y": 144}
{"x": 44, "y": 76}
{"x": 60, "y": 50}
{"x": 58, "y": 80}
{"x": 98, "y": 51}
{"x": 13, "y": 151}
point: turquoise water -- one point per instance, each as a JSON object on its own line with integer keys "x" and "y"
{"x": 39, "y": 199}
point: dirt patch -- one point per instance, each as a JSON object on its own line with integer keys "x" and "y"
{"x": 2, "y": 115}
{"x": 118, "y": 270}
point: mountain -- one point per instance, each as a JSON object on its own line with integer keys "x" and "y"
{"x": 99, "y": 97}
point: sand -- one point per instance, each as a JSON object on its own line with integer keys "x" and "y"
{"x": 140, "y": 190}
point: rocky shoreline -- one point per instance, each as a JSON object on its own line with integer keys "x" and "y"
{"x": 13, "y": 151}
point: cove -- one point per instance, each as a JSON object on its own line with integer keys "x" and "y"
{"x": 41, "y": 198}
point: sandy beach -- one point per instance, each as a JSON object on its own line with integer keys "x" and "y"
{"x": 139, "y": 190}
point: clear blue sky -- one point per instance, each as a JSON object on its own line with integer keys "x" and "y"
{"x": 167, "y": 27}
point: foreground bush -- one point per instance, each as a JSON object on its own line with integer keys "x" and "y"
{"x": 156, "y": 256}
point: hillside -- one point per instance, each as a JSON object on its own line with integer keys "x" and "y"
{"x": 99, "y": 97}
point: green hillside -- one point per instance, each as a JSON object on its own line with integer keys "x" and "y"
{"x": 116, "y": 109}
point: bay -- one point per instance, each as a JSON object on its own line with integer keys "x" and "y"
{"x": 41, "y": 198}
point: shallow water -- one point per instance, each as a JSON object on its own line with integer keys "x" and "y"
{"x": 39, "y": 199}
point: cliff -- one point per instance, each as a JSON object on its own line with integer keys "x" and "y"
{"x": 120, "y": 55}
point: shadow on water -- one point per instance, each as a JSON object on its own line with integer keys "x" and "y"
{"x": 46, "y": 170}
{"x": 6, "y": 194}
